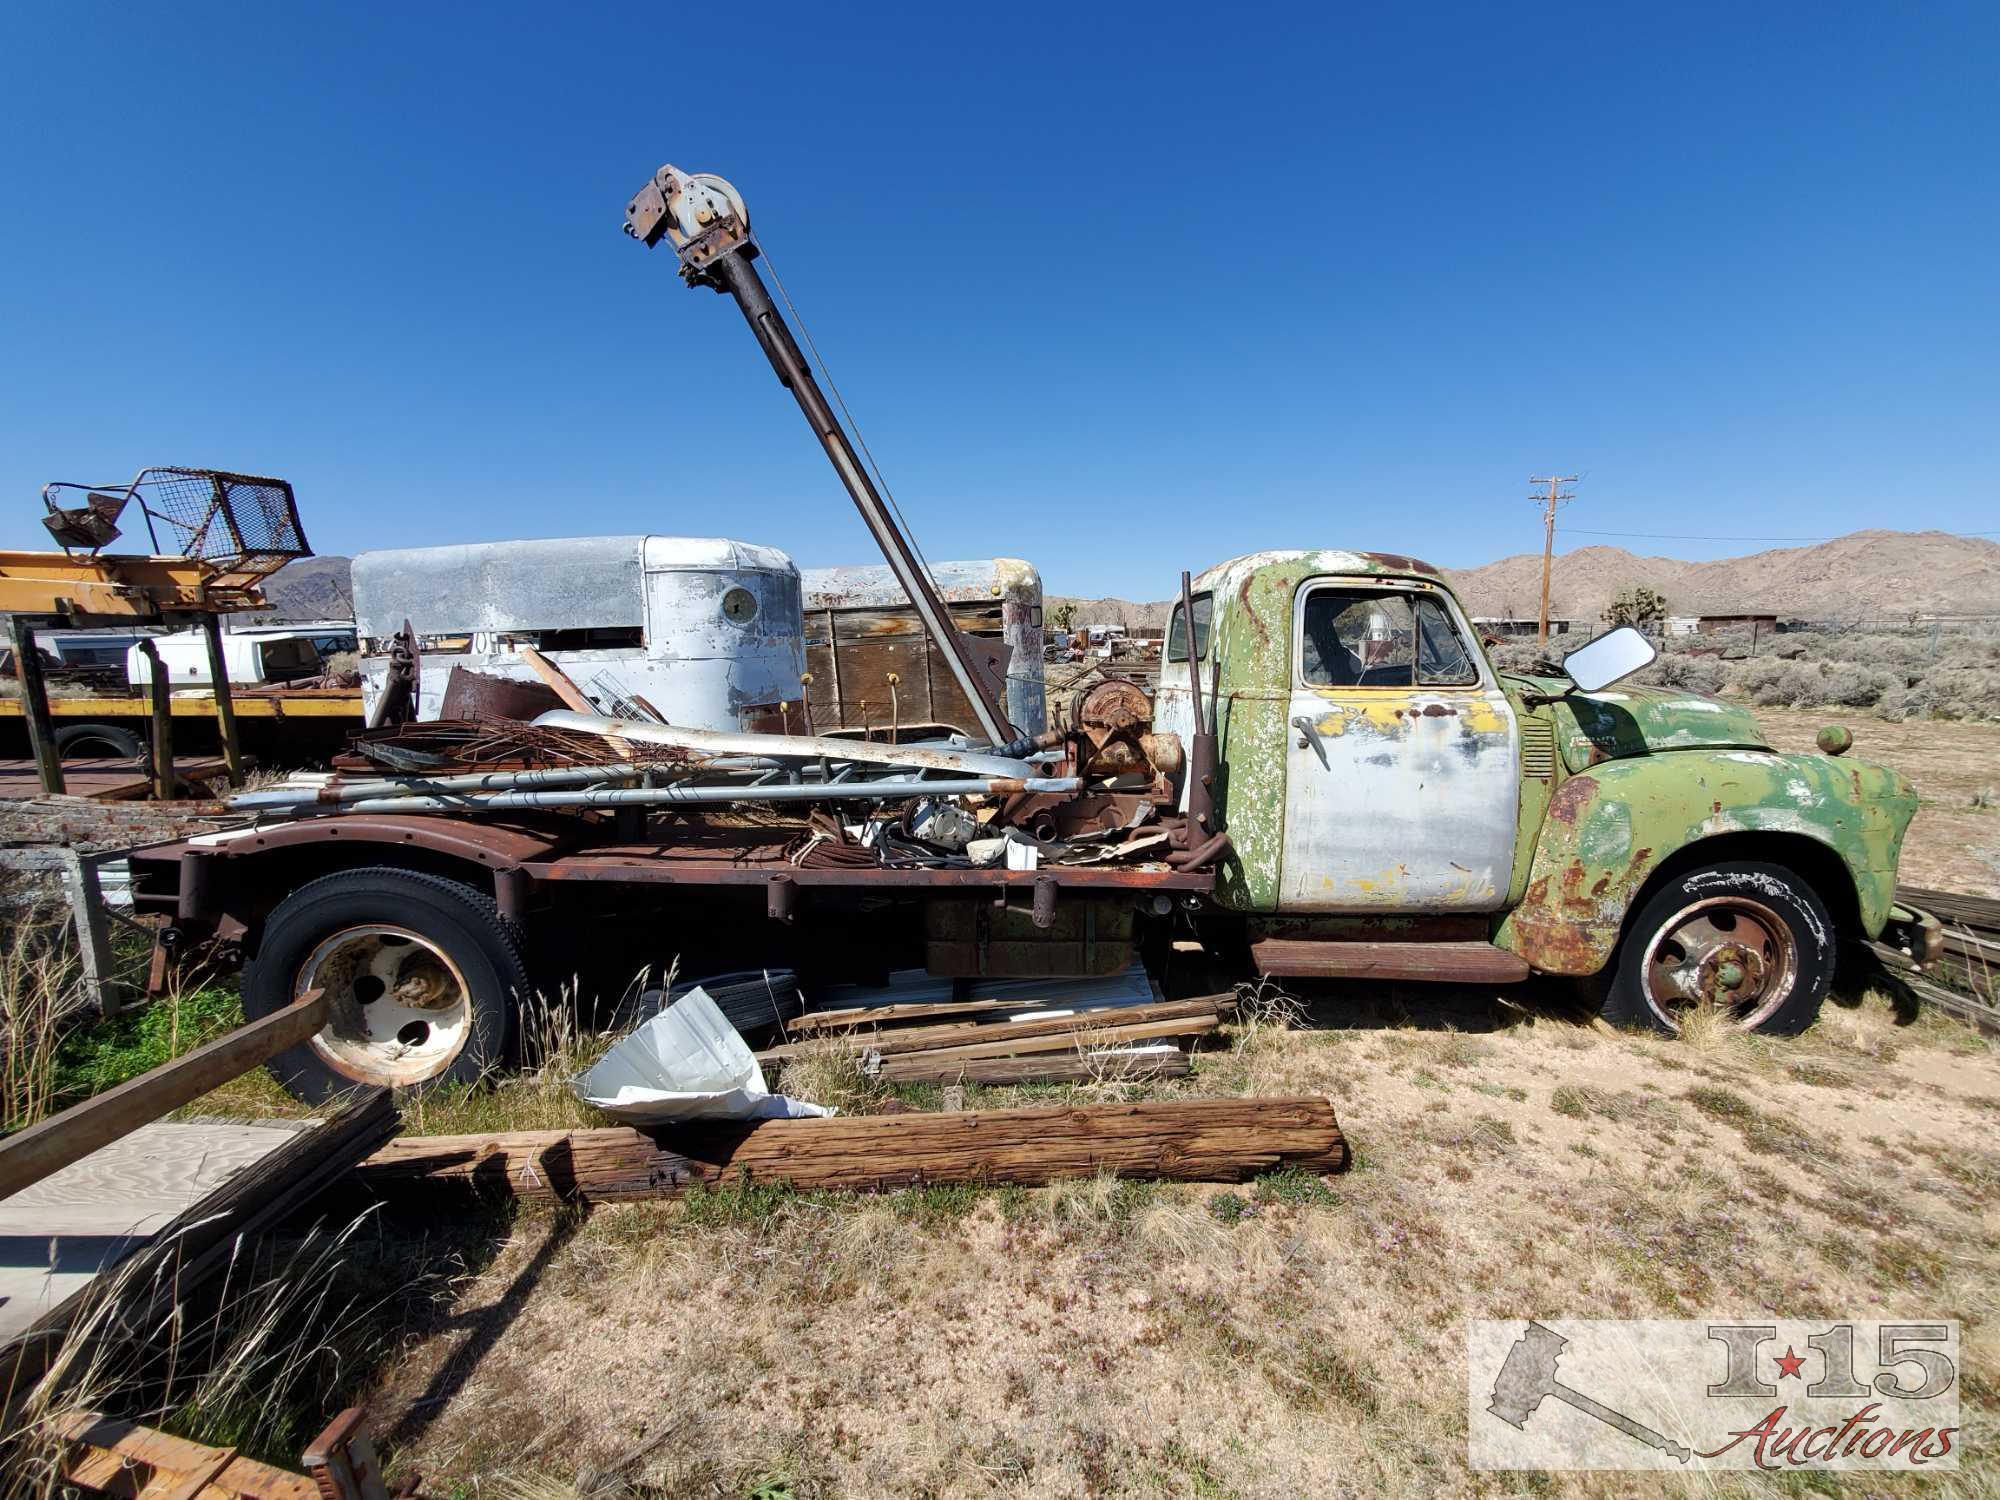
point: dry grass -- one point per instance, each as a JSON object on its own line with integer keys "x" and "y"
{"x": 1281, "y": 1338}
{"x": 248, "y": 1364}
{"x": 40, "y": 991}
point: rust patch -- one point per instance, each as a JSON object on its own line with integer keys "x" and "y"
{"x": 1256, "y": 619}
{"x": 1438, "y": 711}
{"x": 1396, "y": 562}
{"x": 1571, "y": 798}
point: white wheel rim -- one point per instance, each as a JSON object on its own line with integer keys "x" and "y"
{"x": 402, "y": 1010}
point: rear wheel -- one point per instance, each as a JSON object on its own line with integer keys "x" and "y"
{"x": 423, "y": 974}
{"x": 1751, "y": 940}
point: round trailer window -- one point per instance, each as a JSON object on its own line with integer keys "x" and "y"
{"x": 739, "y": 606}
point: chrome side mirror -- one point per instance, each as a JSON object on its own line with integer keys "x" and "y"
{"x": 1615, "y": 655}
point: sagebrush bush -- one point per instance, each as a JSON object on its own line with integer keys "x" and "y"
{"x": 1920, "y": 672}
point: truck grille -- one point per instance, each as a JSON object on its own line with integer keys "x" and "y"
{"x": 1538, "y": 748}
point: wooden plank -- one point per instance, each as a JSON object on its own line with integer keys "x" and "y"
{"x": 1082, "y": 1036}
{"x": 1977, "y": 912}
{"x": 1039, "y": 1067}
{"x": 196, "y": 1245}
{"x": 93, "y": 941}
{"x": 108, "y": 1453}
{"x": 52, "y": 1144}
{"x": 566, "y": 689}
{"x": 1469, "y": 963}
{"x": 139, "y": 1183}
{"x": 951, "y": 1033}
{"x": 853, "y": 1016}
{"x": 1181, "y": 1140}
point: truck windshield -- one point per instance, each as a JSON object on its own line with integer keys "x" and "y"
{"x": 1204, "y": 609}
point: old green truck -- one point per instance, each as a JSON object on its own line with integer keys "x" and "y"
{"x": 1352, "y": 793}
{"x": 1399, "y": 808}
{"x": 1332, "y": 782}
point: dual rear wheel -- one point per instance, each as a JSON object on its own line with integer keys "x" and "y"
{"x": 424, "y": 977}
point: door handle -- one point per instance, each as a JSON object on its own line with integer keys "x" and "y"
{"x": 1309, "y": 740}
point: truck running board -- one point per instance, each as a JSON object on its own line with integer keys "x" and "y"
{"x": 1461, "y": 962}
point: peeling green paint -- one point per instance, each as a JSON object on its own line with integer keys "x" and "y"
{"x": 1583, "y": 880}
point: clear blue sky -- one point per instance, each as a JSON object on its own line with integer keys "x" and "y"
{"x": 1117, "y": 289}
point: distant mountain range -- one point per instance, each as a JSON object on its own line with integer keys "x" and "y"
{"x": 1867, "y": 573}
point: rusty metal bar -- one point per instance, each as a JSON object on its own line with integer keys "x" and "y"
{"x": 722, "y": 259}
{"x": 35, "y": 706}
{"x": 225, "y": 705}
{"x": 159, "y": 693}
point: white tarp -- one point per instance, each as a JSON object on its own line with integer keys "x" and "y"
{"x": 687, "y": 1063}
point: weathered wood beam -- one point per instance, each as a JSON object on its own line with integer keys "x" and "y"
{"x": 1036, "y": 1067}
{"x": 1080, "y": 1038}
{"x": 105, "y": 1455}
{"x": 49, "y": 1145}
{"x": 1181, "y": 1140}
{"x": 952, "y": 1033}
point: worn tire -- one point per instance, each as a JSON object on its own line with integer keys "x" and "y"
{"x": 457, "y": 930}
{"x": 1761, "y": 918}
{"x": 121, "y": 744}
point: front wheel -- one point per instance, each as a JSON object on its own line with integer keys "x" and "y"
{"x": 424, "y": 977}
{"x": 1752, "y": 940}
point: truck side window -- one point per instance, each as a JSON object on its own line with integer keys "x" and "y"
{"x": 1370, "y": 638}
{"x": 1357, "y": 638}
{"x": 1442, "y": 660}
{"x": 1204, "y": 611}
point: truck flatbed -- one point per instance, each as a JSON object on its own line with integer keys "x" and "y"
{"x": 555, "y": 850}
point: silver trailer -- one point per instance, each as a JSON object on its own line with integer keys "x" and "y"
{"x": 704, "y": 631}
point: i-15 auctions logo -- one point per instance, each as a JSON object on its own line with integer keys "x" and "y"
{"x": 1837, "y": 1394}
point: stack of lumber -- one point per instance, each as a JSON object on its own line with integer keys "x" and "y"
{"x": 1011, "y": 1031}
{"x": 1971, "y": 961}
{"x": 1180, "y": 1140}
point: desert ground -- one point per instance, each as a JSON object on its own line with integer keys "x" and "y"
{"x": 1296, "y": 1337}
{"x": 1954, "y": 842}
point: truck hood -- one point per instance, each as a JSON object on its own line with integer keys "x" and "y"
{"x": 1629, "y": 720}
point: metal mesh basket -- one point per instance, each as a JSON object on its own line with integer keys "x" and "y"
{"x": 236, "y": 523}
{"x": 241, "y": 527}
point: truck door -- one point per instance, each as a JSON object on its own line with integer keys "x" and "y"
{"x": 1402, "y": 759}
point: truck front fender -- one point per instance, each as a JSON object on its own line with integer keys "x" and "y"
{"x": 1610, "y": 830}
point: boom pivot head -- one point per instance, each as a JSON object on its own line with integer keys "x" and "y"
{"x": 700, "y": 214}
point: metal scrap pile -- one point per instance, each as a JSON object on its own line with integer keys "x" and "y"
{"x": 935, "y": 804}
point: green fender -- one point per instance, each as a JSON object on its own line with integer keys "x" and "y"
{"x": 1610, "y": 828}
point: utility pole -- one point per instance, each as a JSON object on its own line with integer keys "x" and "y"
{"x": 1556, "y": 495}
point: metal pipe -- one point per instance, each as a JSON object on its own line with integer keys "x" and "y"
{"x": 733, "y": 271}
{"x": 680, "y": 796}
{"x": 473, "y": 781}
{"x": 795, "y": 746}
